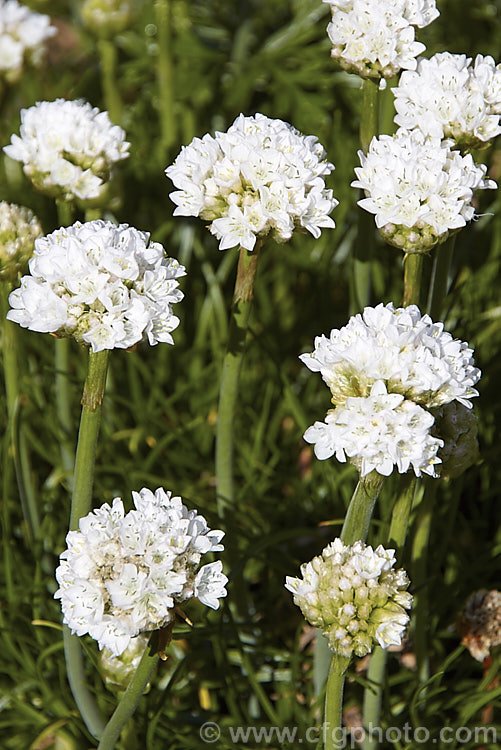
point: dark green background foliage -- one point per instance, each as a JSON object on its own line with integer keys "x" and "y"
{"x": 232, "y": 56}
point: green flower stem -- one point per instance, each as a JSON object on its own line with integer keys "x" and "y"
{"x": 355, "y": 527}
{"x": 165, "y": 74}
{"x": 420, "y": 575}
{"x": 373, "y": 694}
{"x": 10, "y": 353}
{"x": 109, "y": 80}
{"x": 363, "y": 250}
{"x": 92, "y": 400}
{"x": 77, "y": 679}
{"x": 228, "y": 393}
{"x": 359, "y": 514}
{"x": 369, "y": 121}
{"x": 62, "y": 357}
{"x": 334, "y": 702}
{"x": 63, "y": 406}
{"x": 413, "y": 271}
{"x": 439, "y": 284}
{"x": 131, "y": 697}
{"x": 83, "y": 478}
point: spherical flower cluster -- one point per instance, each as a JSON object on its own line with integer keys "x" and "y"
{"x": 68, "y": 149}
{"x": 418, "y": 188}
{"x": 106, "y": 18}
{"x": 376, "y": 38}
{"x": 447, "y": 97}
{"x": 107, "y": 286}
{"x": 19, "y": 228}
{"x": 352, "y": 594}
{"x": 388, "y": 370}
{"x": 260, "y": 177}
{"x": 124, "y": 573}
{"x": 22, "y": 36}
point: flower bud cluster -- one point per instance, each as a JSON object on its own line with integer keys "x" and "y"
{"x": 260, "y": 177}
{"x": 23, "y": 34}
{"x": 106, "y": 18}
{"x": 68, "y": 149}
{"x": 107, "y": 286}
{"x": 376, "y": 39}
{"x": 352, "y": 594}
{"x": 19, "y": 228}
{"x": 447, "y": 97}
{"x": 419, "y": 189}
{"x": 388, "y": 370}
{"x": 123, "y": 573}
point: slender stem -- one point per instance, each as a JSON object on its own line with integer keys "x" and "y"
{"x": 83, "y": 479}
{"x": 109, "y": 80}
{"x": 62, "y": 355}
{"x": 10, "y": 354}
{"x": 439, "y": 283}
{"x": 65, "y": 211}
{"x": 165, "y": 74}
{"x": 359, "y": 514}
{"x": 90, "y": 420}
{"x": 413, "y": 271}
{"x": 131, "y": 697}
{"x": 373, "y": 694}
{"x": 78, "y": 684}
{"x": 63, "y": 405}
{"x": 419, "y": 577}
{"x": 401, "y": 511}
{"x": 355, "y": 527}
{"x": 228, "y": 393}
{"x": 334, "y": 702}
{"x": 363, "y": 250}
{"x": 369, "y": 121}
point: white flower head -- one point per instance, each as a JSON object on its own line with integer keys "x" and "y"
{"x": 23, "y": 34}
{"x": 260, "y": 177}
{"x": 448, "y": 97}
{"x": 419, "y": 189}
{"x": 388, "y": 371}
{"x": 68, "y": 149}
{"x": 411, "y": 354}
{"x": 378, "y": 432}
{"x": 376, "y": 38}
{"x": 19, "y": 228}
{"x": 105, "y": 285}
{"x": 354, "y": 596}
{"x": 123, "y": 573}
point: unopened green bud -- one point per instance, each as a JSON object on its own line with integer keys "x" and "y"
{"x": 19, "y": 228}
{"x": 412, "y": 240}
{"x": 457, "y": 426}
{"x": 107, "y": 18}
{"x": 118, "y": 671}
